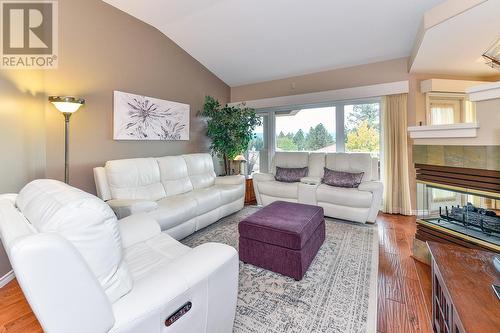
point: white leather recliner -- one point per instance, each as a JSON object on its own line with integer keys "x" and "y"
{"x": 181, "y": 193}
{"x": 354, "y": 204}
{"x": 82, "y": 271}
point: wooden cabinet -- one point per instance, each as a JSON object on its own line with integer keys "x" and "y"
{"x": 249, "y": 192}
{"x": 463, "y": 300}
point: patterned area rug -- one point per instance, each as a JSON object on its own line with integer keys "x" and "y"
{"x": 337, "y": 294}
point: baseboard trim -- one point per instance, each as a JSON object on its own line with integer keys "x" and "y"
{"x": 7, "y": 278}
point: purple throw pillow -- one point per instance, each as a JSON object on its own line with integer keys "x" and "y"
{"x": 342, "y": 179}
{"x": 290, "y": 175}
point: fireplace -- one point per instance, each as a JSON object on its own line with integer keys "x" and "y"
{"x": 459, "y": 206}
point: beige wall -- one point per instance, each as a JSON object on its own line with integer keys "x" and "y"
{"x": 416, "y": 106}
{"x": 22, "y": 144}
{"x": 380, "y": 72}
{"x": 488, "y": 133}
{"x": 101, "y": 49}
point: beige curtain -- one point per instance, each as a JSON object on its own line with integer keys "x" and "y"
{"x": 442, "y": 114}
{"x": 395, "y": 150}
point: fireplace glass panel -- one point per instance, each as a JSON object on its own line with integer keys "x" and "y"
{"x": 471, "y": 213}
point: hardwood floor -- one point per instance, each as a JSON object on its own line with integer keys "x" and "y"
{"x": 404, "y": 286}
{"x": 15, "y": 313}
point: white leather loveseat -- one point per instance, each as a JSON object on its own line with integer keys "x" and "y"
{"x": 355, "y": 204}
{"x": 181, "y": 193}
{"x": 82, "y": 271}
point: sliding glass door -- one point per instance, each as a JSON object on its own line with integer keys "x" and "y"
{"x": 257, "y": 155}
{"x": 351, "y": 126}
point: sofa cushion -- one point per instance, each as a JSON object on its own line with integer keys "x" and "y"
{"x": 207, "y": 199}
{"x": 174, "y": 175}
{"x": 200, "y": 170}
{"x": 175, "y": 210}
{"x": 230, "y": 193}
{"x": 342, "y": 178}
{"x": 290, "y": 175}
{"x": 85, "y": 221}
{"x": 289, "y": 160}
{"x": 351, "y": 197}
{"x": 351, "y": 162}
{"x": 279, "y": 189}
{"x": 316, "y": 164}
{"x": 137, "y": 178}
{"x": 145, "y": 258}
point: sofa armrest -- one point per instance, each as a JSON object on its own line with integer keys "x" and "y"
{"x": 11, "y": 197}
{"x": 377, "y": 190}
{"x": 230, "y": 180}
{"x": 311, "y": 180}
{"x": 49, "y": 269}
{"x": 262, "y": 177}
{"x": 101, "y": 183}
{"x": 371, "y": 186}
{"x": 124, "y": 208}
{"x": 137, "y": 228}
{"x": 207, "y": 276}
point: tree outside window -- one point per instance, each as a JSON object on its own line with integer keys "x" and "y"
{"x": 306, "y": 130}
{"x": 362, "y": 128}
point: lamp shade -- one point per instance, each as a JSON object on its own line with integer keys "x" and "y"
{"x": 66, "y": 104}
{"x": 240, "y": 158}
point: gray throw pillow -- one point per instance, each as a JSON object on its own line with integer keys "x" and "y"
{"x": 290, "y": 175}
{"x": 342, "y": 178}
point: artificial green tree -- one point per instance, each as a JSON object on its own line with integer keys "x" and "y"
{"x": 230, "y": 128}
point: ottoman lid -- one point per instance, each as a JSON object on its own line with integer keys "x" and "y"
{"x": 284, "y": 224}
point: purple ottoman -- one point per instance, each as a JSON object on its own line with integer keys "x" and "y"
{"x": 283, "y": 237}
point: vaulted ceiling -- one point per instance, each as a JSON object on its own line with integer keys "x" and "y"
{"x": 251, "y": 41}
{"x": 453, "y": 37}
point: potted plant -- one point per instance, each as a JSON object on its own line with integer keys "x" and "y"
{"x": 230, "y": 128}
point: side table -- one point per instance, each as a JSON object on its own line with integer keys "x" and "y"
{"x": 249, "y": 192}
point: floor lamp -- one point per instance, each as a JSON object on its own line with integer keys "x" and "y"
{"x": 67, "y": 105}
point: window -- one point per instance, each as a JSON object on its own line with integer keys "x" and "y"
{"x": 439, "y": 195}
{"x": 306, "y": 130}
{"x": 449, "y": 108}
{"x": 444, "y": 112}
{"x": 330, "y": 127}
{"x": 257, "y": 153}
{"x": 362, "y": 128}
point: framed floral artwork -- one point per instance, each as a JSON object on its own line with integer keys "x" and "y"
{"x": 138, "y": 117}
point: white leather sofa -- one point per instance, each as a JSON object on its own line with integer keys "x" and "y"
{"x": 355, "y": 204}
{"x": 82, "y": 271}
{"x": 181, "y": 193}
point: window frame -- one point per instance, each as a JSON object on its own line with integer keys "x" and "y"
{"x": 466, "y": 110}
{"x": 270, "y": 131}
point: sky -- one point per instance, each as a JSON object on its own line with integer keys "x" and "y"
{"x": 306, "y": 119}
